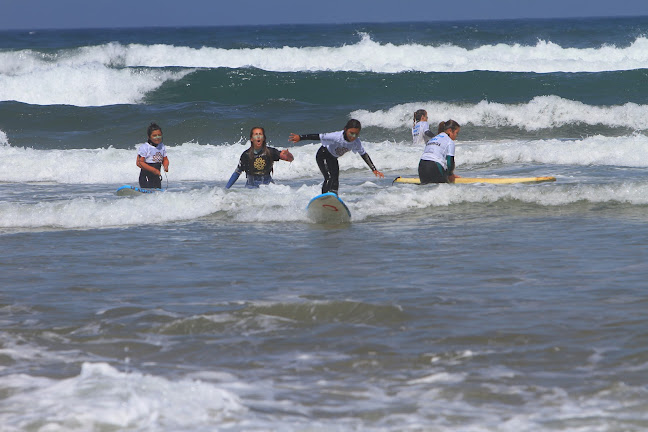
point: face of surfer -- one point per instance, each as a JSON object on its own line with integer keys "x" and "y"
{"x": 156, "y": 136}
{"x": 257, "y": 138}
{"x": 453, "y": 133}
{"x": 352, "y": 133}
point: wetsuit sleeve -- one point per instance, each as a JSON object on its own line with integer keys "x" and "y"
{"x": 367, "y": 159}
{"x": 451, "y": 164}
{"x": 232, "y": 180}
{"x": 310, "y": 137}
{"x": 276, "y": 154}
{"x": 428, "y": 133}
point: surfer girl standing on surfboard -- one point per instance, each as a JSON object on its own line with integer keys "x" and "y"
{"x": 334, "y": 145}
{"x": 437, "y": 162}
{"x": 151, "y": 157}
{"x": 257, "y": 161}
{"x": 421, "y": 132}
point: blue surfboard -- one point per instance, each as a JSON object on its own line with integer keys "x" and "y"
{"x": 328, "y": 208}
{"x": 128, "y": 190}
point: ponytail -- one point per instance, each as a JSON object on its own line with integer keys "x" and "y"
{"x": 450, "y": 124}
{"x": 418, "y": 114}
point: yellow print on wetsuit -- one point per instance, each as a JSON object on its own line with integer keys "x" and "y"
{"x": 259, "y": 164}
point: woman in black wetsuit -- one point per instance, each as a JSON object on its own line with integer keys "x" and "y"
{"x": 257, "y": 161}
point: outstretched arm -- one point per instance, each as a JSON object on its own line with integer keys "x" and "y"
{"x": 233, "y": 178}
{"x": 296, "y": 138}
{"x": 286, "y": 155}
{"x": 367, "y": 159}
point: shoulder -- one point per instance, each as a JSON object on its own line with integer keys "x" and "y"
{"x": 446, "y": 138}
{"x": 442, "y": 137}
{"x": 337, "y": 135}
{"x": 358, "y": 146}
{"x": 143, "y": 148}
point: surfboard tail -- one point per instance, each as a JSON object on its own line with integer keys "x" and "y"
{"x": 328, "y": 208}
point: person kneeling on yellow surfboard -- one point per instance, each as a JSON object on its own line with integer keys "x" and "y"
{"x": 437, "y": 161}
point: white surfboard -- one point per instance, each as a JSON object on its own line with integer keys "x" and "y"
{"x": 128, "y": 190}
{"x": 328, "y": 208}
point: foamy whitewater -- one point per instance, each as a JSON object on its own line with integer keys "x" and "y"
{"x": 475, "y": 307}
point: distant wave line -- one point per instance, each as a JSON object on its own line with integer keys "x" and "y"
{"x": 364, "y": 56}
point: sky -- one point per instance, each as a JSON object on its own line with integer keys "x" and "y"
{"x": 58, "y": 14}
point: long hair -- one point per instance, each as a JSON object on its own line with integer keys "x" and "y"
{"x": 450, "y": 124}
{"x": 264, "y": 146}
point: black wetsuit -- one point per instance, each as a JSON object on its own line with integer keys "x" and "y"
{"x": 432, "y": 172}
{"x": 259, "y": 170}
{"x": 148, "y": 180}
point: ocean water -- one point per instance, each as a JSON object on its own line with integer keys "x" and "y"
{"x": 439, "y": 308}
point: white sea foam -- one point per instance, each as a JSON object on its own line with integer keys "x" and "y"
{"x": 3, "y": 139}
{"x": 188, "y": 162}
{"x": 284, "y": 203}
{"x": 541, "y": 112}
{"x": 93, "y": 76}
{"x": 91, "y": 85}
{"x": 101, "y": 397}
{"x": 198, "y": 173}
{"x": 193, "y": 162}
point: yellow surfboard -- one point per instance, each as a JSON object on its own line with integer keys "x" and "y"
{"x": 491, "y": 180}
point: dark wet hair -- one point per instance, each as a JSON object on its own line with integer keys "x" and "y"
{"x": 450, "y": 124}
{"x": 152, "y": 127}
{"x": 418, "y": 114}
{"x": 353, "y": 124}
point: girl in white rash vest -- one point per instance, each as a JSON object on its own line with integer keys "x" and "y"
{"x": 334, "y": 145}
{"x": 421, "y": 132}
{"x": 151, "y": 156}
{"x": 437, "y": 162}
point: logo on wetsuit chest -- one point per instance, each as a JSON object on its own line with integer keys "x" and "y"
{"x": 340, "y": 151}
{"x": 259, "y": 164}
{"x": 157, "y": 157}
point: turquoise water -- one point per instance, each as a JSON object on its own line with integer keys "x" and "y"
{"x": 449, "y": 307}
